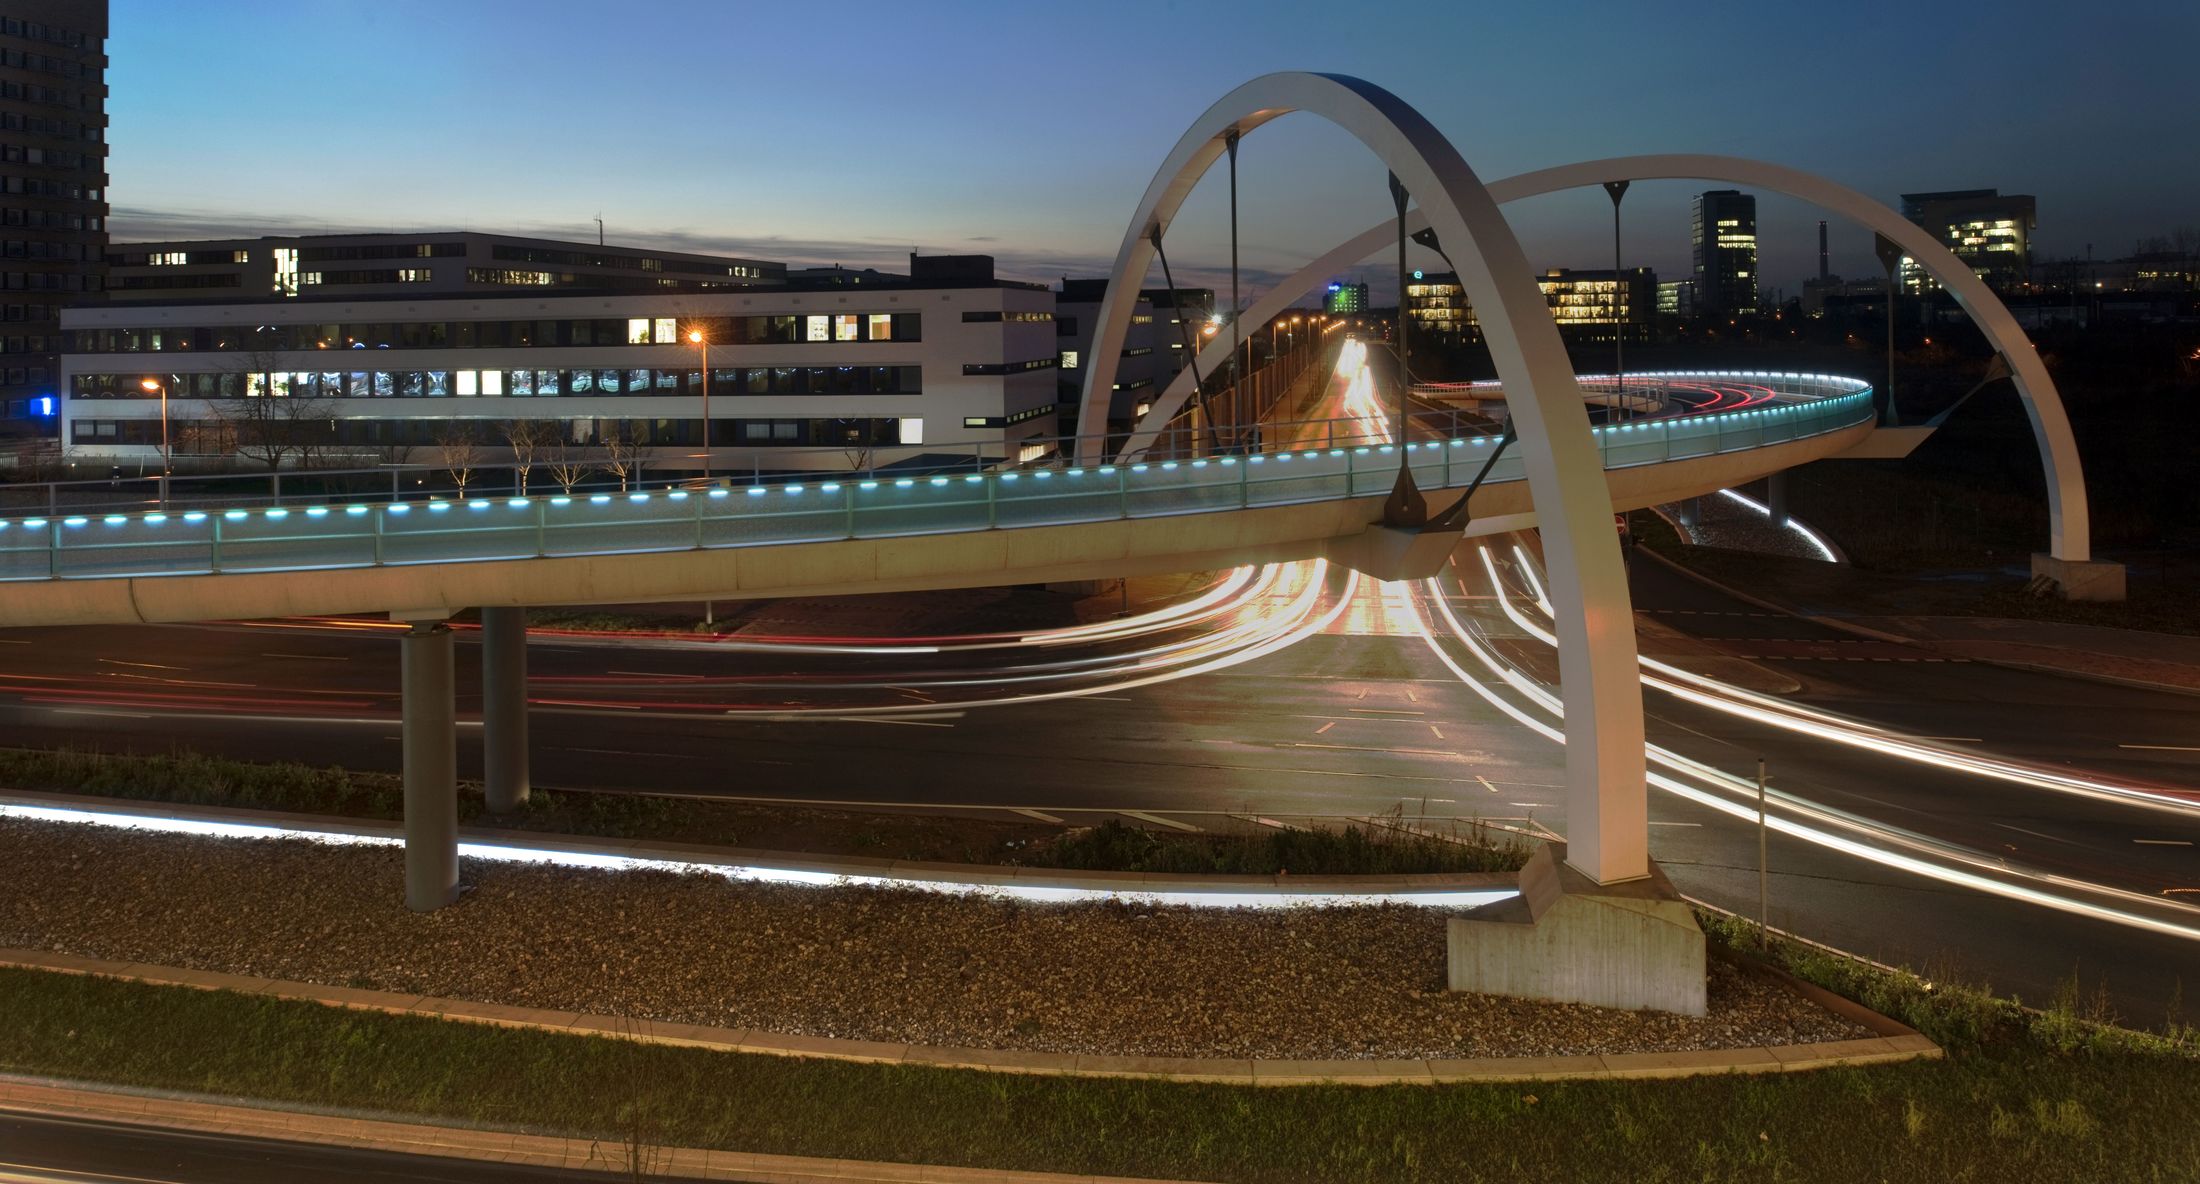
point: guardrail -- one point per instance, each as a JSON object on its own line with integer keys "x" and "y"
{"x": 838, "y": 506}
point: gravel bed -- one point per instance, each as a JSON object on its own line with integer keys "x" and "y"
{"x": 1725, "y": 523}
{"x": 849, "y": 962}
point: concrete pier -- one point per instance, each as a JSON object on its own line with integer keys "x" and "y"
{"x": 504, "y": 708}
{"x": 431, "y": 767}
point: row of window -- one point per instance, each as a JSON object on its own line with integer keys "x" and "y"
{"x": 385, "y": 275}
{"x": 518, "y": 254}
{"x": 1013, "y": 318}
{"x": 48, "y": 281}
{"x": 156, "y": 282}
{"x": 35, "y": 31}
{"x": 465, "y": 384}
{"x": 40, "y": 125}
{"x": 45, "y": 63}
{"x": 40, "y": 187}
{"x": 36, "y": 343}
{"x": 1047, "y": 363}
{"x": 50, "y": 157}
{"x": 50, "y": 219}
{"x": 721, "y": 331}
{"x": 289, "y": 438}
{"x": 53, "y": 96}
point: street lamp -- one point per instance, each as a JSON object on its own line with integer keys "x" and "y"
{"x": 167, "y": 458}
{"x": 696, "y": 337}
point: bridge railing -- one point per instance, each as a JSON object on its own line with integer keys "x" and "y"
{"x": 826, "y": 507}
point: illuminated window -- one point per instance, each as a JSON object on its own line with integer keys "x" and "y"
{"x": 467, "y": 386}
{"x": 817, "y": 329}
{"x": 665, "y": 330}
{"x": 882, "y": 326}
{"x": 912, "y": 431}
{"x": 637, "y": 331}
{"x": 846, "y": 327}
{"x": 1069, "y": 359}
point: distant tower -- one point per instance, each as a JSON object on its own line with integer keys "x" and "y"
{"x": 1725, "y": 234}
{"x": 1824, "y": 273}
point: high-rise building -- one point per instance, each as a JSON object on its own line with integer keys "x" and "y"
{"x": 1990, "y": 231}
{"x": 1677, "y": 298}
{"x": 1345, "y": 299}
{"x": 1594, "y": 306}
{"x": 1724, "y": 231}
{"x": 1077, "y": 322}
{"x": 53, "y": 189}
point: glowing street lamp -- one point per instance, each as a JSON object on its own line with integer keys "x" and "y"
{"x": 167, "y": 458}
{"x": 697, "y": 337}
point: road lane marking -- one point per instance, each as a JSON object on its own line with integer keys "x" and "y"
{"x": 1654, "y": 823}
{"x": 1384, "y": 711}
{"x": 1157, "y": 820}
{"x": 92, "y": 711}
{"x": 11, "y": 641}
{"x": 681, "y": 756}
{"x": 145, "y": 665}
{"x": 1325, "y": 727}
{"x": 1041, "y": 815}
{"x": 2161, "y": 747}
{"x": 2164, "y": 842}
{"x": 1368, "y": 748}
{"x": 1436, "y": 731}
{"x": 310, "y": 657}
{"x": 2035, "y": 834}
{"x": 1954, "y": 739}
{"x": 1485, "y": 783}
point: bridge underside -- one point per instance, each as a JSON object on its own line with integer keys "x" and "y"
{"x": 971, "y": 559}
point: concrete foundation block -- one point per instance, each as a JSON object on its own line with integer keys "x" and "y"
{"x": 1568, "y": 939}
{"x": 2081, "y": 579}
{"x": 1395, "y": 553}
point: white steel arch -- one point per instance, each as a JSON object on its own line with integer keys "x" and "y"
{"x": 2070, "y": 536}
{"x": 1606, "y": 803}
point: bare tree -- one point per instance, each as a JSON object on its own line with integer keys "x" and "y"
{"x": 275, "y": 430}
{"x": 567, "y": 465}
{"x": 530, "y": 440}
{"x": 622, "y": 453}
{"x": 458, "y": 450}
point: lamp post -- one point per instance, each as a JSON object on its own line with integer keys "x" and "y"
{"x": 167, "y": 458}
{"x": 1618, "y": 190}
{"x": 697, "y": 337}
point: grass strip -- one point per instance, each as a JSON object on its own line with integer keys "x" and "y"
{"x": 2012, "y": 1107}
{"x": 190, "y": 778}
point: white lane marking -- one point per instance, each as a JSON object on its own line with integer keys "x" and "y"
{"x": 1367, "y": 748}
{"x": 1485, "y": 783}
{"x": 1041, "y": 815}
{"x": 2164, "y": 842}
{"x": 1325, "y": 727}
{"x": 93, "y": 711}
{"x": 144, "y": 665}
{"x": 1436, "y": 731}
{"x": 1384, "y": 711}
{"x": 1655, "y": 823}
{"x": 2161, "y": 747}
{"x": 1954, "y": 739}
{"x": 11, "y": 641}
{"x": 309, "y": 657}
{"x": 2035, "y": 834}
{"x": 1157, "y": 820}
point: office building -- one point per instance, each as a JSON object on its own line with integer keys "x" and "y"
{"x": 1438, "y": 307}
{"x": 801, "y": 376}
{"x": 53, "y": 190}
{"x": 1677, "y": 298}
{"x": 1989, "y": 231}
{"x": 375, "y": 265}
{"x": 1173, "y": 310}
{"x": 1597, "y": 305}
{"x": 1076, "y": 318}
{"x": 1723, "y": 229}
{"x": 1345, "y": 299}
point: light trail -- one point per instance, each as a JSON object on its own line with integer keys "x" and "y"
{"x": 1735, "y": 798}
{"x": 1764, "y": 709}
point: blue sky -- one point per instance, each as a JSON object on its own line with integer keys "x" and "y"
{"x": 854, "y": 131}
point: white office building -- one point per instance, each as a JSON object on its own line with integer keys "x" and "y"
{"x": 801, "y": 377}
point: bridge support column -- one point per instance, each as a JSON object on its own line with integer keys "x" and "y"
{"x": 431, "y": 767}
{"x": 504, "y": 708}
{"x": 1776, "y": 498}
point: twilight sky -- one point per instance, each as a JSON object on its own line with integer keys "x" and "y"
{"x": 854, "y": 131}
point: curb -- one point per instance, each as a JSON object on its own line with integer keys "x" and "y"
{"x": 911, "y": 874}
{"x": 1892, "y": 1043}
{"x": 1682, "y": 569}
{"x": 31, "y": 1095}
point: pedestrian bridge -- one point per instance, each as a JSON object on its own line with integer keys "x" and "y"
{"x": 836, "y": 533}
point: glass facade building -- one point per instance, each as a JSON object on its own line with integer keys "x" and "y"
{"x": 1723, "y": 231}
{"x": 1989, "y": 231}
